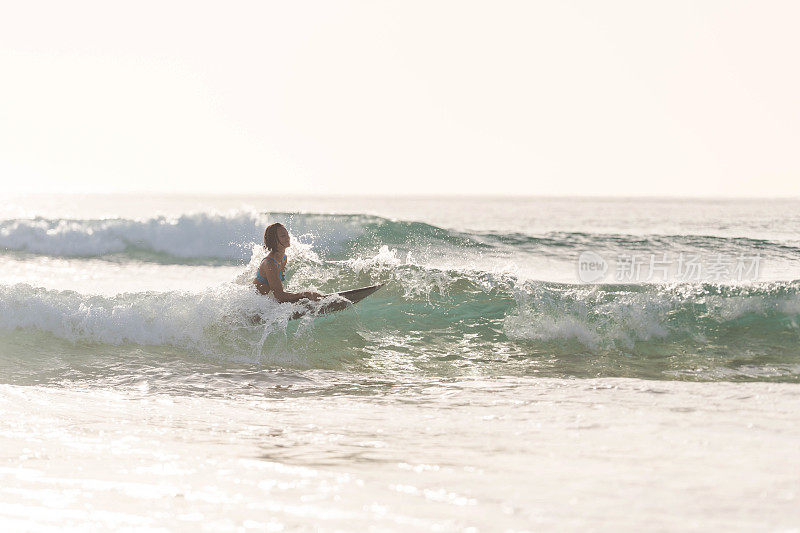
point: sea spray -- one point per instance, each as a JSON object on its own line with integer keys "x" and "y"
{"x": 454, "y": 301}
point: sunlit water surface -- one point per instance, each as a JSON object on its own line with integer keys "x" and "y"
{"x": 483, "y": 387}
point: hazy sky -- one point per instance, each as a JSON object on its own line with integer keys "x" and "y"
{"x": 581, "y": 97}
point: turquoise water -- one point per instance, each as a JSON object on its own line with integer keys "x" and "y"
{"x": 489, "y": 385}
{"x": 485, "y": 296}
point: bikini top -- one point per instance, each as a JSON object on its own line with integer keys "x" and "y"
{"x": 262, "y": 279}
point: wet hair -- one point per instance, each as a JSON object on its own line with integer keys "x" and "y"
{"x": 271, "y": 236}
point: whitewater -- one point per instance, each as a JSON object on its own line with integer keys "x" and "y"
{"x": 487, "y": 385}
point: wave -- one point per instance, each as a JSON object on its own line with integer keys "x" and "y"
{"x": 427, "y": 310}
{"x": 561, "y": 243}
{"x": 449, "y": 304}
{"x": 178, "y": 319}
{"x": 204, "y": 237}
{"x": 209, "y": 236}
{"x": 190, "y": 236}
{"x": 637, "y": 319}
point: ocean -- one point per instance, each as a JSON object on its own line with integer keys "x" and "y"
{"x": 529, "y": 364}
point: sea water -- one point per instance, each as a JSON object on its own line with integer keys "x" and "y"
{"x": 529, "y": 364}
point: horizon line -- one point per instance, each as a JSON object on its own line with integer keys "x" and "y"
{"x": 411, "y": 196}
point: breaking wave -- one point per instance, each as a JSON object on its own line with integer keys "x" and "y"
{"x": 229, "y": 238}
{"x": 432, "y": 316}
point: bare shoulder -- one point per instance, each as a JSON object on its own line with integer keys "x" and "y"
{"x": 268, "y": 266}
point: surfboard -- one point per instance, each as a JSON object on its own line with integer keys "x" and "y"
{"x": 346, "y": 299}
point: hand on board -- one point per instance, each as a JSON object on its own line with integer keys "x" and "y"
{"x": 313, "y": 296}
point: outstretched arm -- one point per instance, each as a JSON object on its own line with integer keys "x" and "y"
{"x": 270, "y": 270}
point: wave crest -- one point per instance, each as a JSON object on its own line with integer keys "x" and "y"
{"x": 638, "y": 318}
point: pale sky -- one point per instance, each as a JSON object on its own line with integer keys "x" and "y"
{"x": 678, "y": 98}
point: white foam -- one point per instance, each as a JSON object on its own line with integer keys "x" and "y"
{"x": 197, "y": 321}
{"x": 200, "y": 235}
{"x": 187, "y": 236}
{"x": 609, "y": 318}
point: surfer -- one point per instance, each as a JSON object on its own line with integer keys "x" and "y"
{"x": 269, "y": 276}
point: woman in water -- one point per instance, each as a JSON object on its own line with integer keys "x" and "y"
{"x": 269, "y": 276}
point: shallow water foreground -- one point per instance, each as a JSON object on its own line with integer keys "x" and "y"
{"x": 428, "y": 455}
